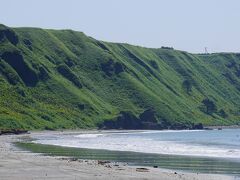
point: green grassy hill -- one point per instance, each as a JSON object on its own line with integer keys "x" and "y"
{"x": 55, "y": 79}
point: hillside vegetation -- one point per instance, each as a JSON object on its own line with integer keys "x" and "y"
{"x": 57, "y": 79}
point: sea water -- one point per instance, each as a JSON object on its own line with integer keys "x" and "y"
{"x": 210, "y": 151}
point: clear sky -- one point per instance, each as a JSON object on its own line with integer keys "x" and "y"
{"x": 187, "y": 25}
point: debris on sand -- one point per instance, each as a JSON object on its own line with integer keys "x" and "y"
{"x": 142, "y": 170}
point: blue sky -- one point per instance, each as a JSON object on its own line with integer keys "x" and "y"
{"x": 187, "y": 25}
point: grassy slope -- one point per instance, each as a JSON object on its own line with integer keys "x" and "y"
{"x": 68, "y": 80}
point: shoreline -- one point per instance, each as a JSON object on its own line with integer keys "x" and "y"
{"x": 222, "y": 127}
{"x": 22, "y": 132}
{"x": 18, "y": 164}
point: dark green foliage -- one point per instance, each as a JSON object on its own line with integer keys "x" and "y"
{"x": 9, "y": 73}
{"x": 70, "y": 62}
{"x": 138, "y": 61}
{"x": 67, "y": 73}
{"x": 28, "y": 43}
{"x": 107, "y": 67}
{"x": 125, "y": 120}
{"x": 111, "y": 67}
{"x": 235, "y": 67}
{"x": 8, "y": 123}
{"x": 50, "y": 59}
{"x": 42, "y": 73}
{"x": 209, "y": 106}
{"x": 197, "y": 126}
{"x": 118, "y": 68}
{"x": 103, "y": 46}
{"x": 20, "y": 91}
{"x": 222, "y": 113}
{"x": 81, "y": 106}
{"x": 45, "y": 117}
{"x": 187, "y": 86}
{"x": 148, "y": 115}
{"x": 15, "y": 59}
{"x": 149, "y": 120}
{"x": 154, "y": 64}
{"x": 8, "y": 34}
{"x": 231, "y": 78}
{"x": 169, "y": 48}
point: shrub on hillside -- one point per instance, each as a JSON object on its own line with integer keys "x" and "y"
{"x": 68, "y": 74}
{"x": 187, "y": 86}
{"x": 209, "y": 106}
{"x": 154, "y": 64}
{"x": 111, "y": 67}
{"x": 222, "y": 113}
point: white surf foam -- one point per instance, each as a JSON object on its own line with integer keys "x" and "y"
{"x": 123, "y": 142}
{"x": 88, "y": 135}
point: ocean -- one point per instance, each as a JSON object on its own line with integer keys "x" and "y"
{"x": 207, "y": 151}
